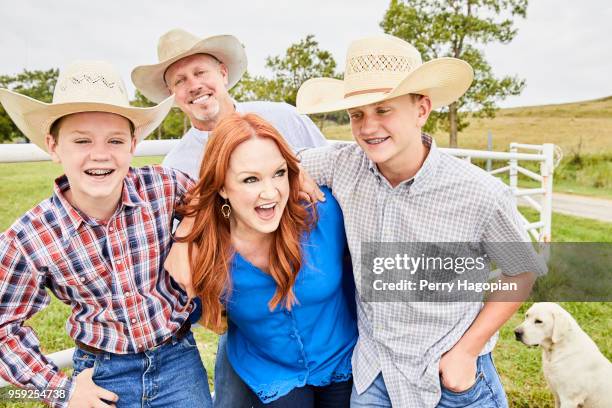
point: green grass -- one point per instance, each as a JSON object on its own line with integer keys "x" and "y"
{"x": 582, "y": 129}
{"x": 25, "y": 184}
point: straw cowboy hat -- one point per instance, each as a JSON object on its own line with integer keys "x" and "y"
{"x": 384, "y": 67}
{"x": 83, "y": 86}
{"x": 177, "y": 44}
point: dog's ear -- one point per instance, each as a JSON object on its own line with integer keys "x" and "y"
{"x": 561, "y": 325}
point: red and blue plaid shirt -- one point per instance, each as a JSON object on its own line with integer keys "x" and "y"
{"x": 111, "y": 274}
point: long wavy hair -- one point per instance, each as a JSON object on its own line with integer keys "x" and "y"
{"x": 210, "y": 249}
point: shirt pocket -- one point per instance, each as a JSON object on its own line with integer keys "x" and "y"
{"x": 89, "y": 284}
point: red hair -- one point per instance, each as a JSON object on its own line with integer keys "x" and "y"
{"x": 210, "y": 236}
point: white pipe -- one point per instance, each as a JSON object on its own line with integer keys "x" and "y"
{"x": 500, "y": 170}
{"x": 529, "y": 173}
{"x": 526, "y": 146}
{"x": 29, "y": 152}
{"x": 528, "y": 191}
{"x": 533, "y": 203}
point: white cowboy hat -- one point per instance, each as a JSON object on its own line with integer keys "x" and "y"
{"x": 177, "y": 44}
{"x": 83, "y": 86}
{"x": 384, "y": 67}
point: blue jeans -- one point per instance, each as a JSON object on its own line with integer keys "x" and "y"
{"x": 487, "y": 392}
{"x": 334, "y": 395}
{"x": 375, "y": 396}
{"x": 230, "y": 390}
{"x": 171, "y": 375}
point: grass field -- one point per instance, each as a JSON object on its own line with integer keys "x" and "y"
{"x": 23, "y": 185}
{"x": 582, "y": 129}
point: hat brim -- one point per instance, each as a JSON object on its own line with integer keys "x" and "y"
{"x": 149, "y": 79}
{"x": 34, "y": 118}
{"x": 443, "y": 80}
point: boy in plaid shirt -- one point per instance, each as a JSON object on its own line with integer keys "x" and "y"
{"x": 98, "y": 244}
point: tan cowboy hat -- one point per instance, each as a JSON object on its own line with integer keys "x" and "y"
{"x": 83, "y": 86}
{"x": 177, "y": 44}
{"x": 384, "y": 67}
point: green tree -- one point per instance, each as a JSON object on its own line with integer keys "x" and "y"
{"x": 302, "y": 60}
{"x": 255, "y": 88}
{"x": 174, "y": 125}
{"x": 455, "y": 28}
{"x": 36, "y": 84}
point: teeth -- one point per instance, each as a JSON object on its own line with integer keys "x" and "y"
{"x": 201, "y": 99}
{"x": 98, "y": 172}
{"x": 376, "y": 141}
{"x": 266, "y": 206}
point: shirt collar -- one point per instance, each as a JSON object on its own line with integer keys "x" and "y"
{"x": 71, "y": 219}
{"x": 423, "y": 174}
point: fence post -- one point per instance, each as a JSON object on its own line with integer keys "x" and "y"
{"x": 489, "y": 148}
{"x": 547, "y": 171}
{"x": 513, "y": 171}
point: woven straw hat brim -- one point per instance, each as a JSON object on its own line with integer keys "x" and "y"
{"x": 34, "y": 118}
{"x": 149, "y": 79}
{"x": 444, "y": 80}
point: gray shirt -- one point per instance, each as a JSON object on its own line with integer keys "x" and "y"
{"x": 448, "y": 200}
{"x": 298, "y": 130}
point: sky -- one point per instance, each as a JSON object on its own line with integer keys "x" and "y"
{"x": 562, "y": 48}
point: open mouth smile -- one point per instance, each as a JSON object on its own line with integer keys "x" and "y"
{"x": 201, "y": 99}
{"x": 99, "y": 173}
{"x": 266, "y": 211}
{"x": 375, "y": 141}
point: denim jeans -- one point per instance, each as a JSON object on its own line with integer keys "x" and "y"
{"x": 230, "y": 390}
{"x": 375, "y": 396}
{"x": 334, "y": 395}
{"x": 487, "y": 391}
{"x": 171, "y": 375}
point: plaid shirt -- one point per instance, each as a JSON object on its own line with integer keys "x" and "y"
{"x": 448, "y": 200}
{"x": 111, "y": 274}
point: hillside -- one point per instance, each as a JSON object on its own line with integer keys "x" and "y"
{"x": 583, "y": 125}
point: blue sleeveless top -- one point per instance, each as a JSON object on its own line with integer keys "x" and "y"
{"x": 274, "y": 352}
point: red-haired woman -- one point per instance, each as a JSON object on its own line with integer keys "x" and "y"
{"x": 275, "y": 263}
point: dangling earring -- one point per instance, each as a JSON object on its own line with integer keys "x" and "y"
{"x": 226, "y": 210}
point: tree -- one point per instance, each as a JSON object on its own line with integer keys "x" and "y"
{"x": 454, "y": 28}
{"x": 35, "y": 84}
{"x": 302, "y": 60}
{"x": 174, "y": 125}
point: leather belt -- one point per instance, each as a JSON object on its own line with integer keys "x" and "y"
{"x": 178, "y": 335}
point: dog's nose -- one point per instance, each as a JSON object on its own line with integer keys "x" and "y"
{"x": 518, "y": 333}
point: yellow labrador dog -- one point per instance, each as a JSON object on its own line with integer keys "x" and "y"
{"x": 574, "y": 368}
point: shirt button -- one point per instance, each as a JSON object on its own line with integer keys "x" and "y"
{"x": 82, "y": 279}
{"x": 128, "y": 294}
{"x": 301, "y": 378}
{"x": 133, "y": 320}
{"x": 301, "y": 361}
{"x": 111, "y": 229}
{"x": 118, "y": 261}
{"x": 139, "y": 345}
